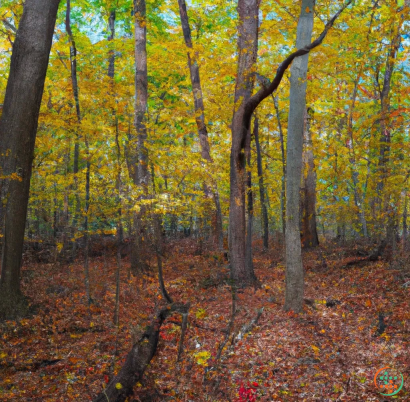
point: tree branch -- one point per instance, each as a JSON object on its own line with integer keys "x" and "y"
{"x": 264, "y": 92}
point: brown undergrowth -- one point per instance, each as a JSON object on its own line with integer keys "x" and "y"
{"x": 68, "y": 351}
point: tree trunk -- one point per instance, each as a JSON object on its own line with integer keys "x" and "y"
{"x": 247, "y": 49}
{"x": 405, "y": 226}
{"x": 18, "y": 127}
{"x": 140, "y": 166}
{"x": 309, "y": 230}
{"x": 385, "y": 136}
{"x": 282, "y": 148}
{"x": 264, "y": 209}
{"x": 111, "y": 72}
{"x": 86, "y": 234}
{"x": 248, "y": 251}
{"x": 200, "y": 112}
{"x": 294, "y": 267}
{"x": 358, "y": 200}
{"x": 137, "y": 360}
{"x": 74, "y": 85}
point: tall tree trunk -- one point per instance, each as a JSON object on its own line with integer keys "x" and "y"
{"x": 141, "y": 173}
{"x": 200, "y": 111}
{"x": 74, "y": 85}
{"x": 248, "y": 251}
{"x": 309, "y": 230}
{"x": 86, "y": 234}
{"x": 283, "y": 181}
{"x": 298, "y": 70}
{"x": 245, "y": 106}
{"x": 18, "y": 128}
{"x": 264, "y": 208}
{"x": 247, "y": 49}
{"x": 359, "y": 202}
{"x": 385, "y": 135}
{"x": 405, "y": 226}
{"x": 111, "y": 73}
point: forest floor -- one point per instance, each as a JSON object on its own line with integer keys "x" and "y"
{"x": 331, "y": 352}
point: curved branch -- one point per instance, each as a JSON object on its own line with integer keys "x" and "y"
{"x": 264, "y": 92}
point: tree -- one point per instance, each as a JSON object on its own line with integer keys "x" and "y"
{"x": 242, "y": 273}
{"x": 297, "y": 106}
{"x": 245, "y": 105}
{"x": 200, "y": 111}
{"x": 18, "y": 127}
{"x": 139, "y": 166}
{"x": 309, "y": 230}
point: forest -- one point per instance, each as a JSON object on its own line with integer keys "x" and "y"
{"x": 204, "y": 200}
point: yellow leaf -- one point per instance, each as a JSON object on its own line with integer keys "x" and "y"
{"x": 118, "y": 385}
{"x": 202, "y": 358}
{"x": 315, "y": 349}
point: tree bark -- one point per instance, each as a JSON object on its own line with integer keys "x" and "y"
{"x": 385, "y": 135}
{"x": 264, "y": 208}
{"x": 283, "y": 181}
{"x": 18, "y": 128}
{"x": 248, "y": 10}
{"x": 249, "y": 229}
{"x": 118, "y": 184}
{"x": 137, "y": 360}
{"x": 359, "y": 202}
{"x": 74, "y": 85}
{"x": 140, "y": 166}
{"x": 200, "y": 112}
{"x": 294, "y": 267}
{"x": 309, "y": 230}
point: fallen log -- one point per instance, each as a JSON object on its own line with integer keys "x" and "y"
{"x": 373, "y": 256}
{"x": 137, "y": 360}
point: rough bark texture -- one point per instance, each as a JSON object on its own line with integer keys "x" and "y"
{"x": 294, "y": 267}
{"x": 18, "y": 127}
{"x": 200, "y": 111}
{"x": 249, "y": 229}
{"x": 140, "y": 172}
{"x": 121, "y": 386}
{"x": 264, "y": 208}
{"x": 309, "y": 230}
{"x": 247, "y": 48}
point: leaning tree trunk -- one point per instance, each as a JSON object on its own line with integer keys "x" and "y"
{"x": 18, "y": 128}
{"x": 309, "y": 230}
{"x": 242, "y": 273}
{"x": 137, "y": 360}
{"x": 298, "y": 70}
{"x": 200, "y": 112}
